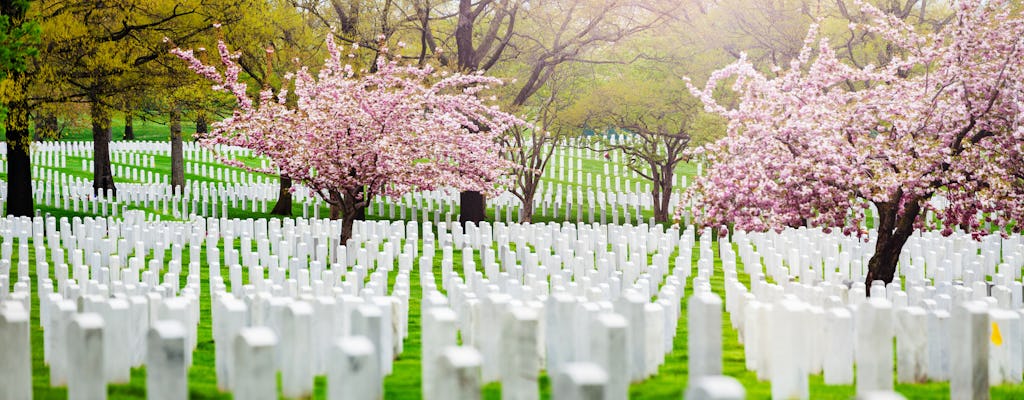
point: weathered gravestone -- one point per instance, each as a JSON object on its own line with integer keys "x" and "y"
{"x": 580, "y": 381}
{"x": 715, "y": 388}
{"x": 85, "y": 358}
{"x": 969, "y": 361}
{"x": 166, "y": 375}
{"x": 15, "y": 352}
{"x": 354, "y": 373}
{"x": 704, "y": 330}
{"x": 459, "y": 375}
{"x": 255, "y": 376}
{"x": 874, "y": 344}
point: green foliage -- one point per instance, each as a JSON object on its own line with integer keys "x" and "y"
{"x": 19, "y": 38}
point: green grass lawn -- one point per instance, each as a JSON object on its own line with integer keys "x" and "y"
{"x": 404, "y": 383}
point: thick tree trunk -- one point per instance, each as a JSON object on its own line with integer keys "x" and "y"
{"x": 284, "y": 197}
{"x": 472, "y": 207}
{"x": 103, "y": 177}
{"x": 19, "y": 165}
{"x": 129, "y": 126}
{"x": 201, "y": 126}
{"x": 348, "y": 219}
{"x": 335, "y": 203}
{"x": 526, "y": 212}
{"x": 661, "y": 193}
{"x": 349, "y": 208}
{"x": 177, "y": 156}
{"x": 893, "y": 232}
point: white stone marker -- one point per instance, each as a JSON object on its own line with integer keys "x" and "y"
{"x": 255, "y": 377}
{"x": 438, "y": 332}
{"x": 1005, "y": 353}
{"x": 608, "y": 347}
{"x": 85, "y": 358}
{"x": 704, "y": 335}
{"x": 874, "y": 345}
{"x": 354, "y": 370}
{"x": 297, "y": 366}
{"x": 518, "y": 354}
{"x": 15, "y": 352}
{"x": 458, "y": 376}
{"x": 631, "y": 306}
{"x": 938, "y": 345}
{"x": 911, "y": 344}
{"x": 61, "y": 315}
{"x": 969, "y": 348}
{"x": 580, "y": 381}
{"x": 715, "y": 388}
{"x": 838, "y": 364}
{"x": 366, "y": 322}
{"x": 231, "y": 320}
{"x": 166, "y": 375}
{"x": 788, "y": 366}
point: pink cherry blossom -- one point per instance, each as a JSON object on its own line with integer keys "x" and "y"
{"x": 818, "y": 141}
{"x": 398, "y": 130}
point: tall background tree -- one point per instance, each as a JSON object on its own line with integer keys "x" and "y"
{"x": 19, "y": 38}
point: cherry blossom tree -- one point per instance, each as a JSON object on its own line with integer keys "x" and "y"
{"x": 350, "y": 137}
{"x": 942, "y": 119}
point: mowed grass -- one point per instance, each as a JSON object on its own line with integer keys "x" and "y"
{"x": 405, "y": 383}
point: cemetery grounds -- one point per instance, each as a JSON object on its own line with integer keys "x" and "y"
{"x": 71, "y": 170}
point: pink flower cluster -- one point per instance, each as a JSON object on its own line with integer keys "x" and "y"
{"x": 397, "y": 130}
{"x": 822, "y": 139}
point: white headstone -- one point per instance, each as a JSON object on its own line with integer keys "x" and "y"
{"x": 166, "y": 375}
{"x": 608, "y": 348}
{"x": 459, "y": 375}
{"x": 15, "y": 352}
{"x": 255, "y": 377}
{"x": 580, "y": 381}
{"x": 969, "y": 361}
{"x": 518, "y": 354}
{"x": 85, "y": 358}
{"x": 911, "y": 344}
{"x": 354, "y": 373}
{"x": 297, "y": 370}
{"x": 704, "y": 335}
{"x": 715, "y": 388}
{"x": 874, "y": 345}
{"x": 838, "y": 365}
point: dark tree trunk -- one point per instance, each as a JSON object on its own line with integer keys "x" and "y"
{"x": 335, "y": 204}
{"x": 893, "y": 232}
{"x": 19, "y": 165}
{"x": 472, "y": 207}
{"x": 348, "y": 219}
{"x": 526, "y": 212}
{"x": 177, "y": 156}
{"x": 662, "y": 195}
{"x": 284, "y": 197}
{"x": 201, "y": 123}
{"x": 349, "y": 208}
{"x": 103, "y": 177}
{"x": 129, "y": 126}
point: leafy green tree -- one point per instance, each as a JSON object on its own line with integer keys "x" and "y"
{"x": 19, "y": 38}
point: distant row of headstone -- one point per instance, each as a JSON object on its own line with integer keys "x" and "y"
{"x": 595, "y": 306}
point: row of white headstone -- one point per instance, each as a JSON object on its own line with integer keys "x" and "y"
{"x": 950, "y": 323}
{"x": 134, "y": 161}
{"x": 304, "y": 302}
